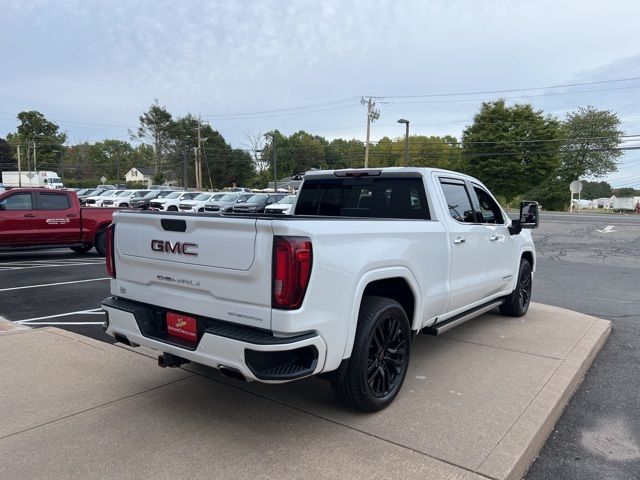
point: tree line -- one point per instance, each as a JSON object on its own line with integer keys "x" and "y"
{"x": 516, "y": 150}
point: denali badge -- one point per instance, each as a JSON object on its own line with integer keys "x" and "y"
{"x": 179, "y": 248}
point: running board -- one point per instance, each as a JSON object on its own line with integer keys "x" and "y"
{"x": 440, "y": 328}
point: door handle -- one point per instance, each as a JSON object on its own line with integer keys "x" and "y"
{"x": 71, "y": 215}
{"x": 495, "y": 238}
{"x": 30, "y": 215}
{"x": 459, "y": 241}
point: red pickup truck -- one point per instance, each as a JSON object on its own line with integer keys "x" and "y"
{"x": 39, "y": 218}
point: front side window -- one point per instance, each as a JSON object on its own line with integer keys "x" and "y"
{"x": 19, "y": 201}
{"x": 489, "y": 209}
{"x": 458, "y": 201}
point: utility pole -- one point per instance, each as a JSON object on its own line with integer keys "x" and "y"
{"x": 406, "y": 140}
{"x": 35, "y": 158}
{"x": 199, "y": 159}
{"x": 19, "y": 167}
{"x": 184, "y": 165}
{"x": 372, "y": 115}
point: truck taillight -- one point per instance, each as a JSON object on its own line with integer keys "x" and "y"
{"x": 292, "y": 259}
{"x": 109, "y": 257}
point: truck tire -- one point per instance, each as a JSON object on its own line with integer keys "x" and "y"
{"x": 371, "y": 379}
{"x": 83, "y": 248}
{"x": 100, "y": 242}
{"x": 517, "y": 304}
{"x": 172, "y": 209}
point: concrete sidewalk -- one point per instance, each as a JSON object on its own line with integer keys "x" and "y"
{"x": 478, "y": 402}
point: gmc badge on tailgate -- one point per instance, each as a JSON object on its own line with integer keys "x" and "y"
{"x": 179, "y": 248}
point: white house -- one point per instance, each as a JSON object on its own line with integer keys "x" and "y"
{"x": 140, "y": 175}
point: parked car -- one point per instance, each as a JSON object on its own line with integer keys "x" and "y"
{"x": 225, "y": 203}
{"x": 170, "y": 202}
{"x": 393, "y": 252}
{"x": 143, "y": 203}
{"x": 124, "y": 198}
{"x": 198, "y": 202}
{"x": 241, "y": 190}
{"x": 90, "y": 193}
{"x": 160, "y": 187}
{"x": 38, "y": 218}
{"x": 257, "y": 202}
{"x": 108, "y": 187}
{"x": 96, "y": 201}
{"x": 282, "y": 207}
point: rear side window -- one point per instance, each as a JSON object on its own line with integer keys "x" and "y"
{"x": 19, "y": 201}
{"x": 458, "y": 201}
{"x": 52, "y": 201}
{"x": 364, "y": 197}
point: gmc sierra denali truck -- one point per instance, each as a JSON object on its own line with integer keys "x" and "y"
{"x": 370, "y": 258}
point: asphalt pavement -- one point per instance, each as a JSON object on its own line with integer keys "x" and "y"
{"x": 586, "y": 267}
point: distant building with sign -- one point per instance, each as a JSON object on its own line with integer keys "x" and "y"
{"x": 141, "y": 175}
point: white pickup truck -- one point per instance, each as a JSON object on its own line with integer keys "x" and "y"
{"x": 370, "y": 258}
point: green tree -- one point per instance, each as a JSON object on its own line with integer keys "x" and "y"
{"x": 156, "y": 128}
{"x": 591, "y": 190}
{"x": 592, "y": 138}
{"x": 7, "y": 161}
{"x": 40, "y": 141}
{"x": 511, "y": 148}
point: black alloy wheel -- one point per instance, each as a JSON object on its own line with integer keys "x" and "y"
{"x": 517, "y": 304}
{"x": 372, "y": 377}
{"x": 387, "y": 356}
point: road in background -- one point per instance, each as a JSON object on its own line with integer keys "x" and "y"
{"x": 585, "y": 265}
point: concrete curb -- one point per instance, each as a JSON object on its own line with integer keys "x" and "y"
{"x": 517, "y": 450}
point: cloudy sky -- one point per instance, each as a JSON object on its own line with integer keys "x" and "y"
{"x": 253, "y": 66}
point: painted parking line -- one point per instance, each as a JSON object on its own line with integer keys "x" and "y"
{"x": 53, "y": 284}
{"x": 94, "y": 311}
{"x": 66, "y": 323}
{"x": 6, "y": 269}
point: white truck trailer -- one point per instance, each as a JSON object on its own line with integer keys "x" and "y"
{"x": 43, "y": 179}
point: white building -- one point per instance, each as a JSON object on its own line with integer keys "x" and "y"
{"x": 144, "y": 175}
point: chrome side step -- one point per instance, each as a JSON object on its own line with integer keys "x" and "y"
{"x": 440, "y": 328}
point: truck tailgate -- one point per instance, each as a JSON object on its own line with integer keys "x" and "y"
{"x": 196, "y": 264}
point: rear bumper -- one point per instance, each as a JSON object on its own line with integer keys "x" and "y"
{"x": 256, "y": 354}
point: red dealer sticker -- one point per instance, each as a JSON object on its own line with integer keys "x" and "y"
{"x": 182, "y": 326}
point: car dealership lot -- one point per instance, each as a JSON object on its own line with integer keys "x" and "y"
{"x": 583, "y": 265}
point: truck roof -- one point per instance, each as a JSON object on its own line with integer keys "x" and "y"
{"x": 424, "y": 171}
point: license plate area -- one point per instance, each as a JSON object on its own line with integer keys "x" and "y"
{"x": 182, "y": 327}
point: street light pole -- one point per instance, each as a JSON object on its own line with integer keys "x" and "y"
{"x": 406, "y": 140}
{"x": 275, "y": 161}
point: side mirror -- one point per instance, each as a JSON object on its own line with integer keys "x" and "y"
{"x": 529, "y": 218}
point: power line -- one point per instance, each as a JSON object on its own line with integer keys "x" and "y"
{"x": 527, "y": 89}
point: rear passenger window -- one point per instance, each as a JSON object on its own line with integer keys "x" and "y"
{"x": 53, "y": 201}
{"x": 364, "y": 197}
{"x": 19, "y": 201}
{"x": 458, "y": 201}
{"x": 489, "y": 209}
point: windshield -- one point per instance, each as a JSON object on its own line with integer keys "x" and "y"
{"x": 94, "y": 192}
{"x": 125, "y": 193}
{"x": 174, "y": 195}
{"x": 139, "y": 194}
{"x": 203, "y": 196}
{"x": 164, "y": 193}
{"x": 260, "y": 198}
{"x": 287, "y": 200}
{"x": 150, "y": 195}
{"x": 217, "y": 196}
{"x": 108, "y": 193}
{"x": 229, "y": 197}
{"x": 190, "y": 195}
